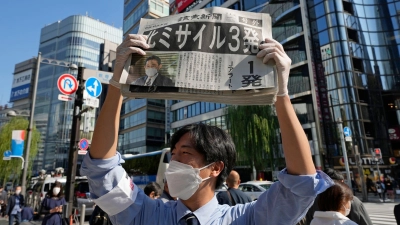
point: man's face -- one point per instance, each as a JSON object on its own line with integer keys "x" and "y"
{"x": 18, "y": 189}
{"x": 152, "y": 64}
{"x": 184, "y": 152}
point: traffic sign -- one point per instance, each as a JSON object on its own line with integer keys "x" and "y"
{"x": 83, "y": 144}
{"x": 67, "y": 84}
{"x": 7, "y": 155}
{"x": 348, "y": 139}
{"x": 93, "y": 87}
{"x": 377, "y": 153}
{"x": 65, "y": 98}
{"x": 347, "y": 131}
{"x": 91, "y": 102}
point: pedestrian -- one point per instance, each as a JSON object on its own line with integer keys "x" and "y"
{"x": 334, "y": 205}
{"x": 52, "y": 205}
{"x": 202, "y": 158}
{"x": 153, "y": 190}
{"x": 27, "y": 213}
{"x": 381, "y": 189}
{"x": 389, "y": 188}
{"x": 3, "y": 201}
{"x": 233, "y": 195}
{"x": 165, "y": 196}
{"x": 358, "y": 213}
{"x": 371, "y": 186}
{"x": 14, "y": 206}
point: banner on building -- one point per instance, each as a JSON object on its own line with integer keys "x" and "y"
{"x": 203, "y": 55}
{"x": 182, "y": 4}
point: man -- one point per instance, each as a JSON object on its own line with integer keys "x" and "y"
{"x": 202, "y": 158}
{"x": 14, "y": 207}
{"x": 3, "y": 200}
{"x": 153, "y": 76}
{"x": 358, "y": 213}
{"x": 233, "y": 195}
{"x": 165, "y": 196}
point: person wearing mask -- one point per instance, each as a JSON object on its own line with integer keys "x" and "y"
{"x": 52, "y": 205}
{"x": 14, "y": 207}
{"x": 334, "y": 205}
{"x": 27, "y": 213}
{"x": 153, "y": 190}
{"x": 202, "y": 157}
{"x": 358, "y": 213}
{"x": 233, "y": 195}
{"x": 165, "y": 196}
{"x": 153, "y": 75}
{"x": 3, "y": 201}
{"x": 381, "y": 189}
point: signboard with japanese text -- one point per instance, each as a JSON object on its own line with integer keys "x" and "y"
{"x": 21, "y": 85}
{"x": 202, "y": 54}
{"x": 182, "y": 4}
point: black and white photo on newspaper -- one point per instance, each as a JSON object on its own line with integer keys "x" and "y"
{"x": 204, "y": 52}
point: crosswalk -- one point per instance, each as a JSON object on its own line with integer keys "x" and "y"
{"x": 381, "y": 213}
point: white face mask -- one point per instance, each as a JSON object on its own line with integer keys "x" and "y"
{"x": 183, "y": 180}
{"x": 56, "y": 190}
{"x": 151, "y": 72}
{"x": 347, "y": 210}
{"x": 18, "y": 192}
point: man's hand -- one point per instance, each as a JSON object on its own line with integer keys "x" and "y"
{"x": 133, "y": 43}
{"x": 273, "y": 50}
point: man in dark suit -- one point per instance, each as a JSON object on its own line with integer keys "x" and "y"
{"x": 233, "y": 195}
{"x": 14, "y": 207}
{"x": 153, "y": 76}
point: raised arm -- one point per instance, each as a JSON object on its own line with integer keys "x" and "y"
{"x": 295, "y": 144}
{"x": 105, "y": 136}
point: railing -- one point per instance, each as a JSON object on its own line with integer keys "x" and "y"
{"x": 301, "y": 85}
{"x": 276, "y": 10}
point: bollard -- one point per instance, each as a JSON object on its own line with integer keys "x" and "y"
{"x": 82, "y": 218}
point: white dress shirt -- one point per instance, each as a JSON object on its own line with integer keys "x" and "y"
{"x": 330, "y": 218}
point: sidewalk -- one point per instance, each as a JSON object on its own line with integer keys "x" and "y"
{"x": 376, "y": 199}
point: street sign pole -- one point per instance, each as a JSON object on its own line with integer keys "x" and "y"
{"x": 344, "y": 151}
{"x": 73, "y": 151}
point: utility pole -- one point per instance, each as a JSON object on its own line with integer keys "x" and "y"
{"x": 344, "y": 151}
{"x": 73, "y": 147}
{"x": 361, "y": 172}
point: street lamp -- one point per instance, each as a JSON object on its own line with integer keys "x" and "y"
{"x": 32, "y": 113}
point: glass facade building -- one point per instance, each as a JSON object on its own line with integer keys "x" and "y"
{"x": 142, "y": 125}
{"x": 78, "y": 40}
{"x": 345, "y": 68}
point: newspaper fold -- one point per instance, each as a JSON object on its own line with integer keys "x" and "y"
{"x": 204, "y": 55}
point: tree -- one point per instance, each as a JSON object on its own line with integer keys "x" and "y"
{"x": 253, "y": 130}
{"x": 12, "y": 168}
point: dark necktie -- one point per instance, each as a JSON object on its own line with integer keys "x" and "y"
{"x": 148, "y": 83}
{"x": 190, "y": 219}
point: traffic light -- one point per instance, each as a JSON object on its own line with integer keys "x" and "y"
{"x": 377, "y": 152}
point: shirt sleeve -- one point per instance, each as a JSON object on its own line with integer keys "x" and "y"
{"x": 115, "y": 193}
{"x": 288, "y": 200}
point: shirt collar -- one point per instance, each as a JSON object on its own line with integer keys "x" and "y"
{"x": 152, "y": 78}
{"x": 330, "y": 215}
{"x": 202, "y": 214}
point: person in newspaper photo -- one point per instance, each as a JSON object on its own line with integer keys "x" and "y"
{"x": 153, "y": 75}
{"x": 202, "y": 158}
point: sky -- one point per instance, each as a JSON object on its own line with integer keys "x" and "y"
{"x": 21, "y": 22}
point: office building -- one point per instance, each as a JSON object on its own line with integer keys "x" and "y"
{"x": 142, "y": 125}
{"x": 345, "y": 68}
{"x": 80, "y": 40}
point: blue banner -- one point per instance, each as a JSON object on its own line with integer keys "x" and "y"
{"x": 20, "y": 92}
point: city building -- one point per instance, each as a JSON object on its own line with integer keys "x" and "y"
{"x": 345, "y": 69}
{"x": 79, "y": 40}
{"x": 142, "y": 125}
{"x": 23, "y": 79}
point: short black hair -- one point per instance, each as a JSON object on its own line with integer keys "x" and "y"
{"x": 153, "y": 57}
{"x": 333, "y": 197}
{"x": 152, "y": 186}
{"x": 334, "y": 174}
{"x": 214, "y": 143}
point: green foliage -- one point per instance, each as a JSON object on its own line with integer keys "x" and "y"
{"x": 253, "y": 129}
{"x": 12, "y": 168}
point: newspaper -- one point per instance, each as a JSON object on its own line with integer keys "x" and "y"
{"x": 203, "y": 55}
